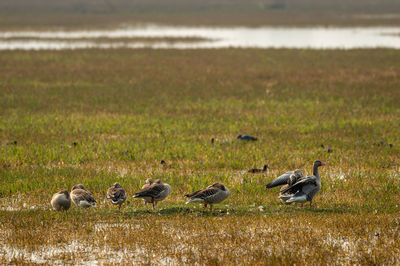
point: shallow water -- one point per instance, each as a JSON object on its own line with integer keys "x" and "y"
{"x": 213, "y": 37}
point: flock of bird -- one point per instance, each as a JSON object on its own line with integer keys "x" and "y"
{"x": 295, "y": 188}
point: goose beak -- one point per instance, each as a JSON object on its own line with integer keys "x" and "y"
{"x": 323, "y": 164}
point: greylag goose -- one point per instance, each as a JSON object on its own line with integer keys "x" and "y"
{"x": 255, "y": 170}
{"x": 61, "y": 201}
{"x": 293, "y": 178}
{"x": 156, "y": 192}
{"x": 283, "y": 179}
{"x": 304, "y": 189}
{"x": 82, "y": 197}
{"x": 246, "y": 137}
{"x": 116, "y": 195}
{"x": 210, "y": 195}
{"x": 147, "y": 183}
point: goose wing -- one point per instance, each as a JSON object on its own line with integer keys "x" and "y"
{"x": 280, "y": 180}
{"x": 204, "y": 193}
{"x": 152, "y": 191}
{"x": 305, "y": 183}
{"x": 83, "y": 195}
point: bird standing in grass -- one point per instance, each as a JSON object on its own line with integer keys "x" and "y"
{"x": 116, "y": 195}
{"x": 82, "y": 197}
{"x": 147, "y": 183}
{"x": 61, "y": 201}
{"x": 255, "y": 170}
{"x": 299, "y": 189}
{"x": 246, "y": 137}
{"x": 155, "y": 192}
{"x": 213, "y": 194}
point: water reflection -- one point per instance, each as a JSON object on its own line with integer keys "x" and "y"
{"x": 204, "y": 37}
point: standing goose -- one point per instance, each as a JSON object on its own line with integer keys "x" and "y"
{"x": 210, "y": 195}
{"x": 61, "y": 201}
{"x": 147, "y": 183}
{"x": 293, "y": 178}
{"x": 255, "y": 170}
{"x": 82, "y": 197}
{"x": 304, "y": 189}
{"x": 156, "y": 192}
{"x": 116, "y": 195}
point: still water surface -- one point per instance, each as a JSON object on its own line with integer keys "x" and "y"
{"x": 210, "y": 37}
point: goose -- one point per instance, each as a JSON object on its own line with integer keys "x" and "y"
{"x": 116, "y": 195}
{"x": 255, "y": 170}
{"x": 61, "y": 201}
{"x": 82, "y": 197}
{"x": 283, "y": 179}
{"x": 246, "y": 137}
{"x": 293, "y": 178}
{"x": 305, "y": 188}
{"x": 156, "y": 192}
{"x": 210, "y": 195}
{"x": 147, "y": 183}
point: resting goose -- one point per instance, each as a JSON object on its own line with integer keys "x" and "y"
{"x": 246, "y": 137}
{"x": 305, "y": 188}
{"x": 116, "y": 195}
{"x": 61, "y": 201}
{"x": 147, "y": 183}
{"x": 82, "y": 197}
{"x": 210, "y": 195}
{"x": 255, "y": 170}
{"x": 156, "y": 192}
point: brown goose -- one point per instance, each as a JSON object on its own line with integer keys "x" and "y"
{"x": 210, "y": 195}
{"x": 147, "y": 183}
{"x": 116, "y": 195}
{"x": 61, "y": 201}
{"x": 305, "y": 188}
{"x": 255, "y": 170}
{"x": 82, "y": 197}
{"x": 156, "y": 192}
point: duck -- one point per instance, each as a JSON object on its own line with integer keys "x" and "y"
{"x": 82, "y": 197}
{"x": 305, "y": 188}
{"x": 116, "y": 195}
{"x": 61, "y": 201}
{"x": 157, "y": 191}
{"x": 255, "y": 170}
{"x": 213, "y": 194}
{"x": 246, "y": 137}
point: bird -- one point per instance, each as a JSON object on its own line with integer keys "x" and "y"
{"x": 293, "y": 178}
{"x": 116, "y": 195}
{"x": 165, "y": 165}
{"x": 61, "y": 201}
{"x": 213, "y": 194}
{"x": 304, "y": 189}
{"x": 246, "y": 137}
{"x": 147, "y": 183}
{"x": 82, "y": 197}
{"x": 155, "y": 192}
{"x": 255, "y": 170}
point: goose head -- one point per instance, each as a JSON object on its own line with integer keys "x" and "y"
{"x": 318, "y": 163}
{"x": 240, "y": 136}
{"x": 117, "y": 185}
{"x": 79, "y": 186}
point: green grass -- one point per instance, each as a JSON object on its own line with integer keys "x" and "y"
{"x": 126, "y": 110}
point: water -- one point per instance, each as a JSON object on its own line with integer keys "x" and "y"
{"x": 211, "y": 37}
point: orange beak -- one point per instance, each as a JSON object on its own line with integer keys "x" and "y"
{"x": 322, "y": 163}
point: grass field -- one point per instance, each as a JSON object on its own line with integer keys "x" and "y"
{"x": 100, "y": 116}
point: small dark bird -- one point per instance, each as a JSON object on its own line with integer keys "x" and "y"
{"x": 165, "y": 165}
{"x": 246, "y": 137}
{"x": 330, "y": 150}
{"x": 255, "y": 170}
{"x": 390, "y": 145}
{"x": 322, "y": 146}
{"x": 74, "y": 143}
{"x": 212, "y": 141}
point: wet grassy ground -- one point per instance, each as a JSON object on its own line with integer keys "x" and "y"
{"x": 100, "y": 116}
